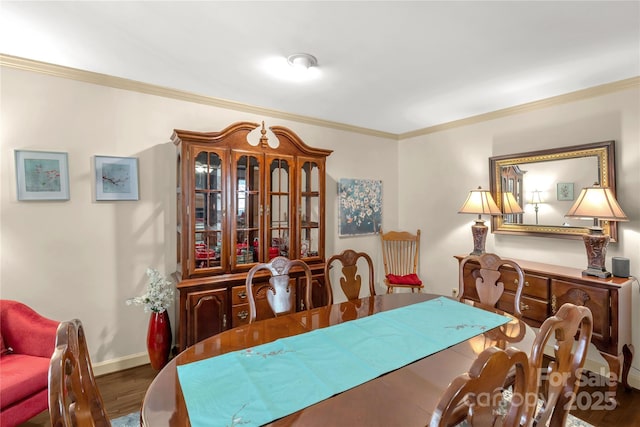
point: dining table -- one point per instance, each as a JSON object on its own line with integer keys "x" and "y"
{"x": 405, "y": 396}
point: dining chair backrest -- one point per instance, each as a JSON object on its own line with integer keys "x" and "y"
{"x": 477, "y": 396}
{"x": 487, "y": 280}
{"x": 400, "y": 256}
{"x": 561, "y": 379}
{"x": 74, "y": 398}
{"x": 351, "y": 281}
{"x": 280, "y": 292}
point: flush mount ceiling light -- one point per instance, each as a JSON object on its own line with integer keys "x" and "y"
{"x": 297, "y": 68}
{"x": 302, "y": 61}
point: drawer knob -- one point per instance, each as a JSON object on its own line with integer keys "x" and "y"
{"x": 515, "y": 282}
{"x": 243, "y": 314}
{"x": 523, "y": 306}
{"x": 242, "y": 294}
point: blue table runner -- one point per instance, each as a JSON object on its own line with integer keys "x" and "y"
{"x": 257, "y": 385}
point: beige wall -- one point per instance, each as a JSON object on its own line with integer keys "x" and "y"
{"x": 83, "y": 259}
{"x": 437, "y": 171}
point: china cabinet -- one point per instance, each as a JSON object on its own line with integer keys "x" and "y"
{"x": 240, "y": 203}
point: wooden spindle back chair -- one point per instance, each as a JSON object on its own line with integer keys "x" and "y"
{"x": 400, "y": 256}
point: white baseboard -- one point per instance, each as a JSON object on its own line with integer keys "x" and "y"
{"x": 120, "y": 364}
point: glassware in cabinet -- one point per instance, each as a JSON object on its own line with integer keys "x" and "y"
{"x": 311, "y": 208}
{"x": 279, "y": 185}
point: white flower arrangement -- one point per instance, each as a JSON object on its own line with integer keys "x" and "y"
{"x": 159, "y": 293}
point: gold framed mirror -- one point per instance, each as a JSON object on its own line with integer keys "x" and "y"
{"x": 545, "y": 184}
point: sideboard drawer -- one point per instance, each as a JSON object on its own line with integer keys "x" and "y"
{"x": 534, "y": 311}
{"x": 534, "y": 286}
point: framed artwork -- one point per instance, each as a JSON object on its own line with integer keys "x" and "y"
{"x": 565, "y": 191}
{"x": 42, "y": 175}
{"x": 116, "y": 178}
{"x": 359, "y": 206}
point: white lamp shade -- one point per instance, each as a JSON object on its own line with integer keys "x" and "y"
{"x": 510, "y": 205}
{"x": 480, "y": 202}
{"x": 597, "y": 202}
{"x": 536, "y": 197}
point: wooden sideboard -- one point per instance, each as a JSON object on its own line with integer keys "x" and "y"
{"x": 548, "y": 286}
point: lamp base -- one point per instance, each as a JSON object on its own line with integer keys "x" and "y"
{"x": 479, "y": 232}
{"x": 596, "y": 245}
{"x": 597, "y": 273}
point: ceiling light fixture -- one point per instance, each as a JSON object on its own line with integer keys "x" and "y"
{"x": 302, "y": 61}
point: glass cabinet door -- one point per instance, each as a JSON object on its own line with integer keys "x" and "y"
{"x": 278, "y": 219}
{"x": 208, "y": 210}
{"x": 247, "y": 208}
{"x": 310, "y": 209}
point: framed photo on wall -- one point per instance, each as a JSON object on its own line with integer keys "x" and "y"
{"x": 116, "y": 178}
{"x": 565, "y": 191}
{"x": 42, "y": 175}
{"x": 359, "y": 206}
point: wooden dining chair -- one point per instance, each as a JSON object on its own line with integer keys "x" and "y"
{"x": 477, "y": 396}
{"x": 561, "y": 379}
{"x": 351, "y": 281}
{"x": 74, "y": 398}
{"x": 488, "y": 286}
{"x": 280, "y": 292}
{"x": 400, "y": 256}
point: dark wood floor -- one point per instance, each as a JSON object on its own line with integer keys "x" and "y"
{"x": 123, "y": 392}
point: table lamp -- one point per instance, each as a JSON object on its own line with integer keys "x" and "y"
{"x": 598, "y": 203}
{"x": 479, "y": 202}
{"x": 536, "y": 199}
{"x": 510, "y": 205}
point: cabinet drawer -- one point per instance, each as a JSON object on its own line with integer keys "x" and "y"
{"x": 239, "y": 295}
{"x": 531, "y": 308}
{"x": 534, "y": 286}
{"x": 239, "y": 315}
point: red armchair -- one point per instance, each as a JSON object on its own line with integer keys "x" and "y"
{"x": 27, "y": 341}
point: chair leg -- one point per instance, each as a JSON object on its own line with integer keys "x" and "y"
{"x": 389, "y": 289}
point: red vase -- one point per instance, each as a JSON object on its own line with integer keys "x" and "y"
{"x": 159, "y": 339}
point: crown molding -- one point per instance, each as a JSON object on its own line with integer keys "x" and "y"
{"x": 150, "y": 89}
{"x": 136, "y": 86}
{"x": 530, "y": 106}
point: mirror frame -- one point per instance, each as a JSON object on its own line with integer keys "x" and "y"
{"x": 605, "y": 153}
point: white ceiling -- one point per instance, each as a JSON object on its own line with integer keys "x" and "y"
{"x": 385, "y": 65}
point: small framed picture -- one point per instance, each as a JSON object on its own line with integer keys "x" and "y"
{"x": 565, "y": 191}
{"x": 116, "y": 178}
{"x": 42, "y": 175}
